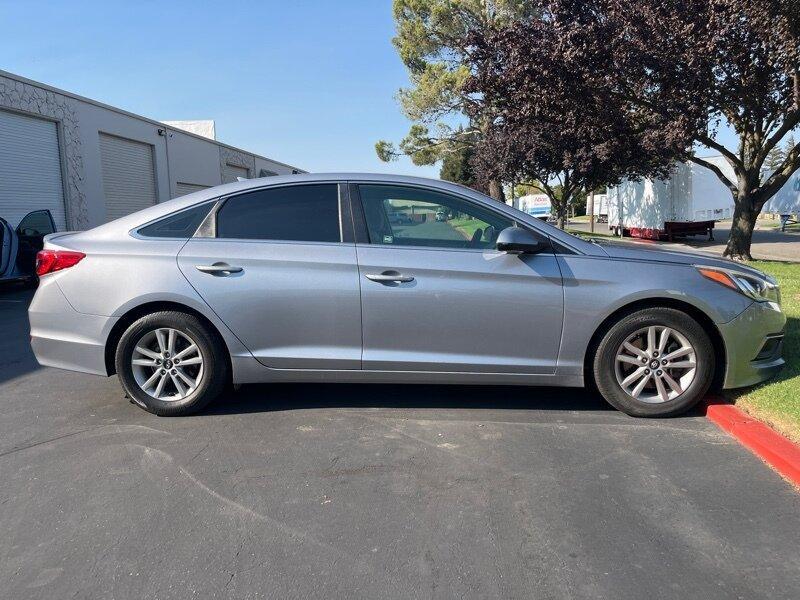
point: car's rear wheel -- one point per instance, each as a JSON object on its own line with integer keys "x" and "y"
{"x": 654, "y": 362}
{"x": 170, "y": 364}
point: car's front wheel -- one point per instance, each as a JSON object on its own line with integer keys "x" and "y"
{"x": 654, "y": 362}
{"x": 170, "y": 364}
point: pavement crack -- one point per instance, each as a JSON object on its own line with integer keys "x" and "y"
{"x": 118, "y": 428}
{"x": 199, "y": 452}
{"x": 42, "y": 442}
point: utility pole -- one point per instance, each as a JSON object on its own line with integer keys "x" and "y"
{"x": 590, "y": 210}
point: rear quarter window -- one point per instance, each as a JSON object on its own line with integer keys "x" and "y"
{"x": 182, "y": 224}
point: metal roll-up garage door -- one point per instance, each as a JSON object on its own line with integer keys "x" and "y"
{"x": 129, "y": 181}
{"x": 231, "y": 173}
{"x": 181, "y": 188}
{"x": 30, "y": 168}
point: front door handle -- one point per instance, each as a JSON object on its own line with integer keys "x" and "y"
{"x": 218, "y": 268}
{"x": 389, "y": 277}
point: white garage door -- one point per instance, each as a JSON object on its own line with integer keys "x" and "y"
{"x": 182, "y": 188}
{"x": 30, "y": 168}
{"x": 232, "y": 172}
{"x": 129, "y": 180}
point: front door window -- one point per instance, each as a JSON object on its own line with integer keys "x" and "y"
{"x": 409, "y": 216}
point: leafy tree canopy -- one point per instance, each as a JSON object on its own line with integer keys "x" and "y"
{"x": 551, "y": 124}
{"x": 432, "y": 41}
{"x": 686, "y": 67}
{"x": 457, "y": 167}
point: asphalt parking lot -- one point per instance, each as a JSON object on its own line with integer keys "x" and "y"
{"x": 333, "y": 491}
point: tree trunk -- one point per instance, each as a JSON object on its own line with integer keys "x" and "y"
{"x": 496, "y": 190}
{"x": 744, "y": 221}
{"x": 562, "y": 210}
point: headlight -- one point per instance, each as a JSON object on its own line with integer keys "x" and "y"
{"x": 761, "y": 289}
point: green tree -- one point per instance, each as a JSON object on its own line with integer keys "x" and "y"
{"x": 524, "y": 189}
{"x": 457, "y": 167}
{"x": 790, "y": 143}
{"x": 682, "y": 68}
{"x": 551, "y": 128}
{"x": 774, "y": 159}
{"x": 432, "y": 40}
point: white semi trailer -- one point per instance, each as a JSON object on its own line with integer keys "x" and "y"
{"x": 688, "y": 203}
{"x": 786, "y": 202}
{"x": 600, "y": 208}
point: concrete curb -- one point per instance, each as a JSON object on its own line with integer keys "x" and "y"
{"x": 780, "y": 453}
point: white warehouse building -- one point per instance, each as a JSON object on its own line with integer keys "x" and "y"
{"x": 89, "y": 163}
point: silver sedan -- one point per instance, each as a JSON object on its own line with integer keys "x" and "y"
{"x": 355, "y": 278}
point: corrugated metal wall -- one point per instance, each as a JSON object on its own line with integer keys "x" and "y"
{"x": 182, "y": 188}
{"x": 128, "y": 175}
{"x": 30, "y": 168}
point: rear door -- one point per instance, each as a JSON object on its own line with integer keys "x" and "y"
{"x": 437, "y": 296}
{"x": 281, "y": 272}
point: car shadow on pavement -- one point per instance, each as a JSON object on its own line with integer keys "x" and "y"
{"x": 294, "y": 396}
{"x": 16, "y": 356}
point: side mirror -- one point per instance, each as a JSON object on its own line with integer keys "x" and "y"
{"x": 516, "y": 240}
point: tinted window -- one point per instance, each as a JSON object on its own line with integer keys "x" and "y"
{"x": 37, "y": 223}
{"x": 407, "y": 216}
{"x": 303, "y": 213}
{"x": 179, "y": 225}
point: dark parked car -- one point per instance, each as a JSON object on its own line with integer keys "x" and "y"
{"x": 18, "y": 246}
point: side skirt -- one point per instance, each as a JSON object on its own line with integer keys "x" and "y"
{"x": 249, "y": 370}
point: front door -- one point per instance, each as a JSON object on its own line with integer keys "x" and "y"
{"x": 437, "y": 296}
{"x": 279, "y": 275}
{"x": 30, "y": 234}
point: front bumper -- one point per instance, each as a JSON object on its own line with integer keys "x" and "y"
{"x": 64, "y": 338}
{"x": 753, "y": 345}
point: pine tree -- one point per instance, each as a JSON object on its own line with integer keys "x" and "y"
{"x": 775, "y": 158}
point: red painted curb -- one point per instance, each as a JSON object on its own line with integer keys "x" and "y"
{"x": 780, "y": 453}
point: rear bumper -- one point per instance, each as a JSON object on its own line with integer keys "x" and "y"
{"x": 64, "y": 338}
{"x": 753, "y": 344}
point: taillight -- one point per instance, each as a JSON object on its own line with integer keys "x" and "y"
{"x": 48, "y": 261}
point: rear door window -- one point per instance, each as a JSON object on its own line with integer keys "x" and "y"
{"x": 300, "y": 213}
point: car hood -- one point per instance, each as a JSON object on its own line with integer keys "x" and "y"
{"x": 638, "y": 251}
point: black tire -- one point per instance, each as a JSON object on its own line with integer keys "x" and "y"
{"x": 605, "y": 359}
{"x": 215, "y": 374}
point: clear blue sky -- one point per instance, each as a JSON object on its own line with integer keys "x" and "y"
{"x": 307, "y": 82}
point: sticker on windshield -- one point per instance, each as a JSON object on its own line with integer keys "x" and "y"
{"x": 388, "y": 239}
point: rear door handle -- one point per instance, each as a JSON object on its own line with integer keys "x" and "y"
{"x": 389, "y": 277}
{"x": 218, "y": 268}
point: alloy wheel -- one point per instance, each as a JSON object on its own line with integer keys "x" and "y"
{"x": 655, "y": 364}
{"x": 167, "y": 364}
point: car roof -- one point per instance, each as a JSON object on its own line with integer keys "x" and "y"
{"x": 135, "y": 220}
